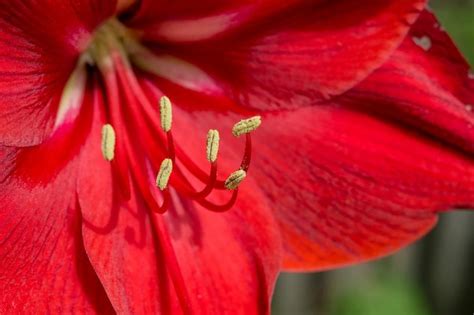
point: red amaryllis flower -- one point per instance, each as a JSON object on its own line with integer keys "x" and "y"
{"x": 367, "y": 134}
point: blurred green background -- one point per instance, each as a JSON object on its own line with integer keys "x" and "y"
{"x": 435, "y": 276}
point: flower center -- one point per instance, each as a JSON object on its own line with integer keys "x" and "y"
{"x": 137, "y": 138}
{"x": 112, "y": 37}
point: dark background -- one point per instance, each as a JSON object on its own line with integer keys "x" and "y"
{"x": 435, "y": 276}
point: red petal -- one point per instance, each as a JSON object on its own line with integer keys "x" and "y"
{"x": 342, "y": 190}
{"x": 39, "y": 46}
{"x": 43, "y": 263}
{"x": 235, "y": 256}
{"x": 240, "y": 249}
{"x": 426, "y": 84}
{"x": 345, "y": 186}
{"x": 348, "y": 188}
{"x": 117, "y": 234}
{"x": 305, "y": 55}
{"x": 226, "y": 260}
{"x": 187, "y": 21}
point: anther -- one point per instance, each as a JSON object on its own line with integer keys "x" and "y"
{"x": 212, "y": 145}
{"x": 164, "y": 174}
{"x": 108, "y": 142}
{"x": 166, "y": 113}
{"x": 233, "y": 181}
{"x": 246, "y": 126}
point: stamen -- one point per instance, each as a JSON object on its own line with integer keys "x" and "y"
{"x": 166, "y": 113}
{"x": 164, "y": 174}
{"x": 246, "y": 126}
{"x": 221, "y": 208}
{"x": 110, "y": 56}
{"x": 108, "y": 142}
{"x": 212, "y": 146}
{"x": 233, "y": 181}
{"x": 182, "y": 184}
{"x": 247, "y": 154}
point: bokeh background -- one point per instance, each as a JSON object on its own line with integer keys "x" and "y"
{"x": 435, "y": 276}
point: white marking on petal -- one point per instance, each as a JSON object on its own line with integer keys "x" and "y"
{"x": 196, "y": 29}
{"x": 177, "y": 71}
{"x": 424, "y": 42}
{"x": 469, "y": 107}
{"x": 73, "y": 94}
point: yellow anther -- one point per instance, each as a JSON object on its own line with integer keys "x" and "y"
{"x": 164, "y": 174}
{"x": 246, "y": 126}
{"x": 233, "y": 181}
{"x": 108, "y": 142}
{"x": 212, "y": 145}
{"x": 166, "y": 113}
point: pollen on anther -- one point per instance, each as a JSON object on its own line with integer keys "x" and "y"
{"x": 166, "y": 113}
{"x": 212, "y": 145}
{"x": 233, "y": 181}
{"x": 246, "y": 126}
{"x": 164, "y": 174}
{"x": 108, "y": 142}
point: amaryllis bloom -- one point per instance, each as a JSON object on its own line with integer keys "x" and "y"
{"x": 135, "y": 175}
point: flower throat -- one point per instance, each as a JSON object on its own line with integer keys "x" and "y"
{"x": 114, "y": 52}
